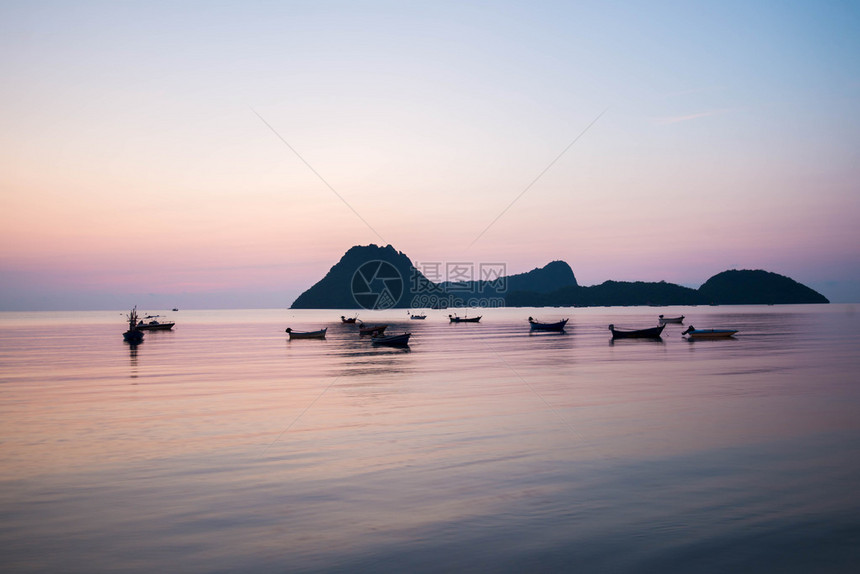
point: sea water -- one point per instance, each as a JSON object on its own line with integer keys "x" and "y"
{"x": 222, "y": 446}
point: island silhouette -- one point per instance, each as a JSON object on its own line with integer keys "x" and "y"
{"x": 374, "y": 277}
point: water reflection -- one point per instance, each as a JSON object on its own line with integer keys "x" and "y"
{"x": 637, "y": 341}
{"x": 132, "y": 355}
{"x": 373, "y": 361}
{"x": 341, "y": 456}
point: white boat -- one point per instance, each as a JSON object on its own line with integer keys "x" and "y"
{"x": 151, "y": 323}
{"x": 671, "y": 319}
{"x": 694, "y": 333}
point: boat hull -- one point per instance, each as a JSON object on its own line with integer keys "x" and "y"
{"x": 133, "y": 337}
{"x": 372, "y": 331}
{"x": 711, "y": 333}
{"x": 306, "y": 334}
{"x": 393, "y": 340}
{"x": 465, "y": 319}
{"x": 651, "y": 333}
{"x": 671, "y": 319}
{"x": 555, "y": 327}
{"x": 156, "y": 327}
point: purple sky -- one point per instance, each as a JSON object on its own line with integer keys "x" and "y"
{"x": 200, "y": 155}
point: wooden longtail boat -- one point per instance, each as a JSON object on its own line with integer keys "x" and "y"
{"x": 650, "y": 333}
{"x": 456, "y": 319}
{"x": 306, "y": 334}
{"x": 694, "y": 333}
{"x": 371, "y": 330}
{"x": 392, "y": 340}
{"x": 538, "y": 326}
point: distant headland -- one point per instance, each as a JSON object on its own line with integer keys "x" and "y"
{"x": 374, "y": 277}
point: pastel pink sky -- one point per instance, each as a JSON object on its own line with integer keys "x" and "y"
{"x": 134, "y": 168}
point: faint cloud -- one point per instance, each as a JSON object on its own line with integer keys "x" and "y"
{"x": 694, "y": 91}
{"x": 685, "y": 118}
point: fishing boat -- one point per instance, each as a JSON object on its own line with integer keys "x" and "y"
{"x": 650, "y": 333}
{"x": 416, "y": 317}
{"x": 350, "y": 320}
{"x": 306, "y": 334}
{"x": 694, "y": 333}
{"x": 372, "y": 330}
{"x": 538, "y": 326}
{"x": 151, "y": 323}
{"x": 671, "y": 319}
{"x": 456, "y": 319}
{"x": 392, "y": 340}
{"x": 134, "y": 335}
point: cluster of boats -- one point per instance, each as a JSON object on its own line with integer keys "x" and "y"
{"x": 137, "y": 326}
{"x": 377, "y": 336}
{"x": 656, "y": 332}
{"x": 375, "y": 332}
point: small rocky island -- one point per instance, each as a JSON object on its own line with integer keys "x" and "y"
{"x": 373, "y": 277}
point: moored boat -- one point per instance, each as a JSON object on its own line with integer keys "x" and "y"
{"x": 350, "y": 320}
{"x": 134, "y": 335}
{"x": 153, "y": 324}
{"x": 392, "y": 340}
{"x": 671, "y": 319}
{"x": 622, "y": 333}
{"x": 467, "y": 319}
{"x": 306, "y": 334}
{"x": 694, "y": 333}
{"x": 371, "y": 330}
{"x": 416, "y": 317}
{"x": 538, "y": 326}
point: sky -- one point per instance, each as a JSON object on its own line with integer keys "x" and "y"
{"x": 226, "y": 154}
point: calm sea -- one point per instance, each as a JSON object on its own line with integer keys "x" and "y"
{"x": 221, "y": 446}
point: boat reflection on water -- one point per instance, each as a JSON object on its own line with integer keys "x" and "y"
{"x": 637, "y": 341}
{"x": 132, "y": 355}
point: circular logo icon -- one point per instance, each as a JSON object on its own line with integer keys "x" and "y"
{"x": 377, "y": 285}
